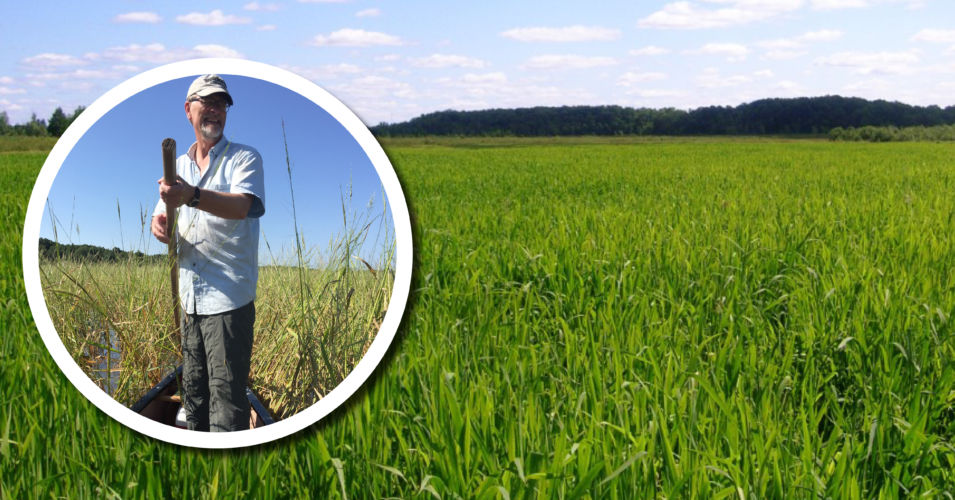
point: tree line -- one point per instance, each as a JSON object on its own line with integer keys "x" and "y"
{"x": 52, "y": 250}
{"x": 938, "y": 133}
{"x": 54, "y": 127}
{"x": 804, "y": 115}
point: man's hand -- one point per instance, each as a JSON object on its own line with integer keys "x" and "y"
{"x": 159, "y": 228}
{"x": 176, "y": 194}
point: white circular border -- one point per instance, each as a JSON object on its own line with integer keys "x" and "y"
{"x": 403, "y": 252}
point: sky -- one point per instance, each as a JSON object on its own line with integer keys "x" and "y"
{"x": 106, "y": 189}
{"x": 390, "y": 61}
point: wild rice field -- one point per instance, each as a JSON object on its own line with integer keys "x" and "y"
{"x": 115, "y": 320}
{"x": 706, "y": 318}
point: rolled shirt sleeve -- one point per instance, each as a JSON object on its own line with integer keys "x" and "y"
{"x": 248, "y": 177}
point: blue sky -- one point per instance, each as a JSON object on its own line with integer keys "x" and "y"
{"x": 391, "y": 61}
{"x": 106, "y": 186}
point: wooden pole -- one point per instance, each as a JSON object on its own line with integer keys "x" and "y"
{"x": 169, "y": 176}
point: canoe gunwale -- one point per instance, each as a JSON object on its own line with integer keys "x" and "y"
{"x": 260, "y": 413}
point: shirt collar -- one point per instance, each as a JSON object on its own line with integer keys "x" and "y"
{"x": 213, "y": 153}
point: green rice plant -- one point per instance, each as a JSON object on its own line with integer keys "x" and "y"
{"x": 320, "y": 328}
{"x": 706, "y": 318}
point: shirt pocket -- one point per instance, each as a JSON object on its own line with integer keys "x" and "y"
{"x": 222, "y": 188}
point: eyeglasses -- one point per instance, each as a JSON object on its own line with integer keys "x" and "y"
{"x": 218, "y": 103}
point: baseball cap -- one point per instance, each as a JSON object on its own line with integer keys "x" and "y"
{"x": 207, "y": 85}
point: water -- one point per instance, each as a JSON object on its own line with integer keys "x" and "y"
{"x": 108, "y": 376}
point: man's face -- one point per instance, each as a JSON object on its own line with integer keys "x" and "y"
{"x": 207, "y": 115}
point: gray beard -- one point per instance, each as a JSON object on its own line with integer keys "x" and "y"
{"x": 210, "y": 132}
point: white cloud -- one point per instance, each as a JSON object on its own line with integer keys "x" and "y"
{"x": 711, "y": 78}
{"x": 368, "y": 13}
{"x": 447, "y": 61}
{"x": 71, "y": 77}
{"x": 781, "y": 55}
{"x": 874, "y": 86}
{"x": 692, "y": 15}
{"x": 475, "y": 86}
{"x": 820, "y": 36}
{"x": 10, "y": 106}
{"x": 565, "y": 34}
{"x": 780, "y": 44}
{"x": 323, "y": 1}
{"x": 214, "y": 18}
{"x": 790, "y": 48}
{"x": 356, "y": 38}
{"x": 213, "y": 50}
{"x": 630, "y": 79}
{"x": 79, "y": 79}
{"x": 838, "y": 4}
{"x": 649, "y": 50}
{"x": 138, "y": 17}
{"x": 266, "y": 27}
{"x": 568, "y": 61}
{"x": 5, "y": 80}
{"x": 494, "y": 78}
{"x": 152, "y": 53}
{"x": 481, "y": 91}
{"x": 789, "y": 88}
{"x": 157, "y": 53}
{"x": 656, "y": 93}
{"x": 733, "y": 52}
{"x": 375, "y": 87}
{"x": 341, "y": 68}
{"x": 50, "y": 60}
{"x": 934, "y": 36}
{"x": 865, "y": 63}
{"x": 261, "y": 7}
{"x": 10, "y": 91}
{"x": 325, "y": 72}
{"x": 723, "y": 81}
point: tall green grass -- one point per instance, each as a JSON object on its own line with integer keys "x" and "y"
{"x": 316, "y": 314}
{"x": 677, "y": 319}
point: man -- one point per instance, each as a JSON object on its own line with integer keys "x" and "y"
{"x": 220, "y": 196}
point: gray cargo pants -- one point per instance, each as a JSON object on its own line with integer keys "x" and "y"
{"x": 217, "y": 351}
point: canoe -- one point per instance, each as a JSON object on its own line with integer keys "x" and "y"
{"x": 162, "y": 404}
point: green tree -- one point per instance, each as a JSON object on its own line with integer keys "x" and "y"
{"x": 75, "y": 115}
{"x": 34, "y": 127}
{"x": 58, "y": 122}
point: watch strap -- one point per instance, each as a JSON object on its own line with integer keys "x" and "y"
{"x": 195, "y": 198}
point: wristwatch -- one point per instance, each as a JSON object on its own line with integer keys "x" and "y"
{"x": 195, "y": 199}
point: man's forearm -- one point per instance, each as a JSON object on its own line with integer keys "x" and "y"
{"x": 225, "y": 205}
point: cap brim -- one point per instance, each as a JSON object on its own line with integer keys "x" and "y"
{"x": 211, "y": 91}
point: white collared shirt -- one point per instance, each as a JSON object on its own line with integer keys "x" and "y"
{"x": 218, "y": 258}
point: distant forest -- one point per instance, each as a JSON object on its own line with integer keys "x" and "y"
{"x": 51, "y": 250}
{"x": 37, "y": 127}
{"x": 796, "y": 116}
{"x": 804, "y": 115}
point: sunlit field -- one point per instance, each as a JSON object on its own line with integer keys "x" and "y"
{"x": 708, "y": 318}
{"x": 116, "y": 321}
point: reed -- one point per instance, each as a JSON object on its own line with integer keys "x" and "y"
{"x": 316, "y": 314}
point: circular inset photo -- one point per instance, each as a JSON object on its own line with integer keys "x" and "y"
{"x": 217, "y": 253}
